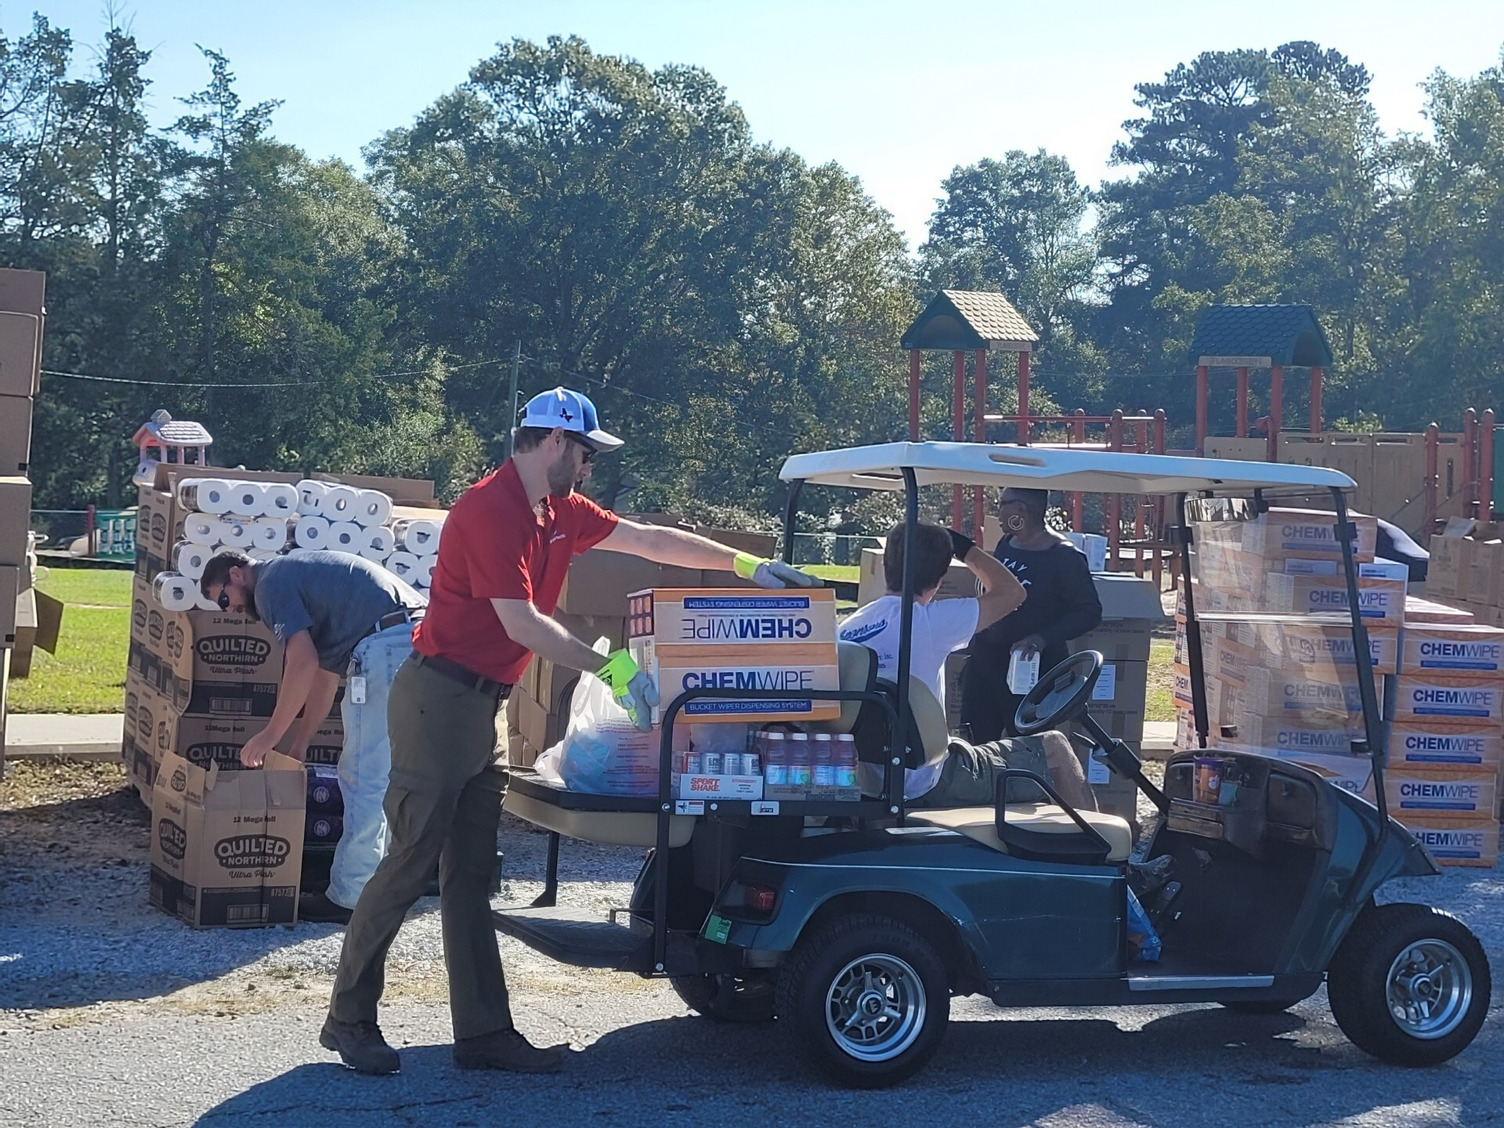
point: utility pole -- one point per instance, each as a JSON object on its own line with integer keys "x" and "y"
{"x": 512, "y": 401}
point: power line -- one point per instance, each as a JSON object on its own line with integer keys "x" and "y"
{"x": 278, "y": 384}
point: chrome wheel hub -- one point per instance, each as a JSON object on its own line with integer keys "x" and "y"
{"x": 1428, "y": 989}
{"x": 875, "y": 1007}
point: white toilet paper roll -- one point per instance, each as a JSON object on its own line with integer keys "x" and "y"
{"x": 189, "y": 559}
{"x": 418, "y": 535}
{"x": 311, "y": 531}
{"x": 379, "y": 544}
{"x": 204, "y": 495}
{"x": 235, "y": 532}
{"x": 311, "y": 493}
{"x": 346, "y": 536}
{"x": 372, "y": 507}
{"x": 270, "y": 533}
{"x": 261, "y": 554}
{"x": 247, "y": 499}
{"x": 281, "y": 499}
{"x": 425, "y": 571}
{"x": 201, "y": 528}
{"x": 204, "y": 603}
{"x": 403, "y": 565}
{"x": 341, "y": 503}
{"x": 175, "y": 591}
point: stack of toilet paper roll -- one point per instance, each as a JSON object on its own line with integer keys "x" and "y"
{"x": 266, "y": 519}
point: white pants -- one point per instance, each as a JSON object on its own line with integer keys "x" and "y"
{"x": 366, "y": 762}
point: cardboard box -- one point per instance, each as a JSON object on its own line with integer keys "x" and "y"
{"x": 1442, "y": 697}
{"x": 1435, "y": 744}
{"x": 403, "y": 491}
{"x": 15, "y": 434}
{"x": 20, "y": 353}
{"x": 744, "y": 618}
{"x": 23, "y": 291}
{"x": 793, "y": 669}
{"x": 1322, "y": 651}
{"x": 1286, "y": 692}
{"x": 10, "y": 590}
{"x": 1121, "y": 686}
{"x": 1472, "y": 650}
{"x": 1380, "y": 601}
{"x": 1418, "y": 610}
{"x": 1299, "y": 733}
{"x": 1463, "y": 793}
{"x": 1128, "y": 597}
{"x": 1121, "y": 724}
{"x": 1311, "y": 533}
{"x": 227, "y": 847}
{"x": 1486, "y": 577}
{"x": 1121, "y": 640}
{"x": 1349, "y": 772}
{"x": 1453, "y": 842}
{"x": 600, "y": 582}
{"x": 538, "y": 726}
{"x": 687, "y": 786}
{"x": 1445, "y": 566}
{"x": 15, "y": 520}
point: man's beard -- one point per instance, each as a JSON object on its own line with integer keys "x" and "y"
{"x": 562, "y": 478}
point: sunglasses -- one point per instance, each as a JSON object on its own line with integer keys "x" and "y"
{"x": 223, "y": 600}
{"x": 590, "y": 451}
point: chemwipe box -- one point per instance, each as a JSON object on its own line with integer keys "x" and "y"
{"x": 1435, "y": 744}
{"x": 1285, "y": 692}
{"x": 1444, "y": 697}
{"x": 734, "y": 617}
{"x": 1465, "y": 793}
{"x": 1298, "y": 733}
{"x": 1455, "y": 843}
{"x": 1469, "y": 649}
{"x": 1349, "y": 772}
{"x": 1327, "y": 652}
{"x": 792, "y": 671}
{"x": 1379, "y": 600}
{"x": 1306, "y": 533}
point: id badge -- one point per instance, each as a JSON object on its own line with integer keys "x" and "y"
{"x": 357, "y": 687}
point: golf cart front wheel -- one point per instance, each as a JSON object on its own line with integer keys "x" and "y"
{"x": 866, "y": 999}
{"x": 728, "y": 998}
{"x": 1410, "y": 984}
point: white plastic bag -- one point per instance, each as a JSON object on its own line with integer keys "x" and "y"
{"x": 603, "y": 752}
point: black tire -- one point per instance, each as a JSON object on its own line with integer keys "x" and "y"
{"x": 728, "y": 998}
{"x": 1410, "y": 984}
{"x": 905, "y": 987}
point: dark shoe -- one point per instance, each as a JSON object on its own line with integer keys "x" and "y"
{"x": 507, "y": 1049}
{"x": 316, "y": 907}
{"x": 360, "y": 1046}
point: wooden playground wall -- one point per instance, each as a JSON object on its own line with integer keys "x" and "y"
{"x": 1390, "y": 469}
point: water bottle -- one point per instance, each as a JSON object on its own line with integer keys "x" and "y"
{"x": 775, "y": 759}
{"x": 801, "y": 761}
{"x": 824, "y": 760}
{"x": 846, "y": 762}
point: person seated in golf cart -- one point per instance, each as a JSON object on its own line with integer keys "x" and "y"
{"x": 966, "y": 775}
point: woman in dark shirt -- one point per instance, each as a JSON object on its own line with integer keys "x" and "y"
{"x": 1060, "y": 604}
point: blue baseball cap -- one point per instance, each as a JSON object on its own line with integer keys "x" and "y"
{"x": 571, "y": 411}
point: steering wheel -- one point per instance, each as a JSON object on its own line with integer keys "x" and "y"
{"x": 1059, "y": 694}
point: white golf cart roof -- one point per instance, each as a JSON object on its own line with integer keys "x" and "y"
{"x": 1091, "y": 471}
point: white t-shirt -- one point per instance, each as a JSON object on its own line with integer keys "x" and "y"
{"x": 940, "y": 627}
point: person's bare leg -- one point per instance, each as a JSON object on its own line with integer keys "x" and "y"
{"x": 1066, "y": 773}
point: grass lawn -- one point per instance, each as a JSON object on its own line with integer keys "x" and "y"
{"x": 87, "y": 675}
{"x": 840, "y": 573}
{"x": 1159, "y": 705}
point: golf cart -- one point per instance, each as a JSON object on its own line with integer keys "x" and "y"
{"x": 853, "y": 923}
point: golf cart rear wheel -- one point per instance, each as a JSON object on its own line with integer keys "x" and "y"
{"x": 728, "y": 998}
{"x": 866, "y": 999}
{"x": 1410, "y": 984}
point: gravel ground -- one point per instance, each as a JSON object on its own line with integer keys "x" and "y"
{"x": 112, "y": 1012}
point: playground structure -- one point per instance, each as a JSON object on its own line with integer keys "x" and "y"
{"x": 1414, "y": 480}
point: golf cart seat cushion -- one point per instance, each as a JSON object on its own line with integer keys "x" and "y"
{"x": 608, "y": 828}
{"x": 980, "y": 823}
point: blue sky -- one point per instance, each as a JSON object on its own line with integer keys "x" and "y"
{"x": 897, "y": 93}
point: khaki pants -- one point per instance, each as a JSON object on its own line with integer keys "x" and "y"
{"x": 443, "y": 805}
{"x": 969, "y": 775}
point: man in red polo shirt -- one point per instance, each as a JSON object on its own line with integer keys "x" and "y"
{"x": 506, "y": 547}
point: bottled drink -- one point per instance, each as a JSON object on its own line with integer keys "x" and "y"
{"x": 824, "y": 761}
{"x": 846, "y": 761}
{"x": 801, "y": 761}
{"x": 775, "y": 759}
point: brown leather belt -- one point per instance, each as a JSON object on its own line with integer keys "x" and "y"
{"x": 397, "y": 618}
{"x": 465, "y": 675}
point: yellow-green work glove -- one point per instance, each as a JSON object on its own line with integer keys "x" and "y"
{"x": 771, "y": 573}
{"x": 634, "y": 690}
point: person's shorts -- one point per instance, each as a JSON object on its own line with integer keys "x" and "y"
{"x": 969, "y": 776}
